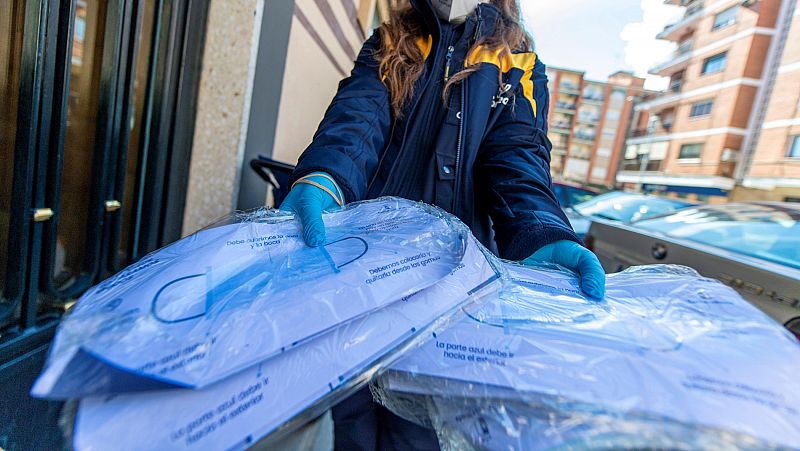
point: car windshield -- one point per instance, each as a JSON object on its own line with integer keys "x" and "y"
{"x": 627, "y": 207}
{"x": 762, "y": 231}
{"x": 571, "y": 195}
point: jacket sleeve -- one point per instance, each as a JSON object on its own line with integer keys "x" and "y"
{"x": 354, "y": 130}
{"x": 514, "y": 173}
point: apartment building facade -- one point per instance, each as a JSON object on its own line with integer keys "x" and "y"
{"x": 773, "y": 172}
{"x": 588, "y": 122}
{"x": 698, "y": 138}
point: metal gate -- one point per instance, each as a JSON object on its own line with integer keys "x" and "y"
{"x": 97, "y": 102}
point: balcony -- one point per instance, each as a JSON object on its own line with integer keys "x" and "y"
{"x": 561, "y": 129}
{"x": 569, "y": 88}
{"x": 566, "y": 107}
{"x": 584, "y": 138}
{"x": 636, "y": 165}
{"x": 677, "y": 61}
{"x": 593, "y": 100}
{"x": 581, "y": 153}
{"x": 676, "y": 30}
{"x": 588, "y": 119}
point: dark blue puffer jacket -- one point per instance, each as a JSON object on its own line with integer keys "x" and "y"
{"x": 488, "y": 163}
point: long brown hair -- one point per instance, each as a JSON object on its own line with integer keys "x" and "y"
{"x": 402, "y": 61}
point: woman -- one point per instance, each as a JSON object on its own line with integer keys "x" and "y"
{"x": 446, "y": 104}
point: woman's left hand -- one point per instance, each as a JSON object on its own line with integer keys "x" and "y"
{"x": 577, "y": 258}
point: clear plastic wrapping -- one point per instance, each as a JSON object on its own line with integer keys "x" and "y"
{"x": 338, "y": 314}
{"x": 668, "y": 360}
{"x": 277, "y": 396}
{"x": 231, "y": 296}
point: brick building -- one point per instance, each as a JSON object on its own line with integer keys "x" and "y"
{"x": 588, "y": 122}
{"x": 730, "y": 74}
{"x": 773, "y": 172}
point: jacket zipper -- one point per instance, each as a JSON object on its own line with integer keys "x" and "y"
{"x": 448, "y": 59}
{"x": 462, "y": 118}
{"x": 460, "y": 140}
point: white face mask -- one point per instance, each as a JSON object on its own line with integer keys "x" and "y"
{"x": 454, "y": 10}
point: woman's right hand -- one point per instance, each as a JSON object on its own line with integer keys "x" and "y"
{"x": 309, "y": 197}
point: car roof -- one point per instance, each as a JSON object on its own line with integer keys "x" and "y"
{"x": 648, "y": 196}
{"x": 576, "y": 185}
{"x": 753, "y": 261}
{"x": 790, "y": 208}
{"x": 785, "y": 206}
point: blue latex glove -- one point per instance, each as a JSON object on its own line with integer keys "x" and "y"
{"x": 308, "y": 198}
{"x": 577, "y": 258}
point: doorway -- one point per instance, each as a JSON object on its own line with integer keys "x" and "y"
{"x": 97, "y": 104}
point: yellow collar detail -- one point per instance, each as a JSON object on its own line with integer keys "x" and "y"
{"x": 522, "y": 61}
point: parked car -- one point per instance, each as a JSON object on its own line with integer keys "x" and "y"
{"x": 569, "y": 194}
{"x": 753, "y": 247}
{"x": 620, "y": 206}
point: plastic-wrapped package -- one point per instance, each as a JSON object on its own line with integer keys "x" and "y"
{"x": 286, "y": 391}
{"x": 668, "y": 360}
{"x": 231, "y": 296}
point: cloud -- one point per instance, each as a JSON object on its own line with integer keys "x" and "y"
{"x": 581, "y": 34}
{"x": 642, "y": 49}
{"x": 550, "y": 8}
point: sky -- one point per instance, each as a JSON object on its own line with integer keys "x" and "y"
{"x": 601, "y": 36}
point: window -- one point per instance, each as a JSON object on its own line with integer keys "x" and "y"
{"x": 676, "y": 82}
{"x": 714, "y": 63}
{"x": 693, "y": 150}
{"x": 702, "y": 108}
{"x": 613, "y": 115}
{"x": 794, "y": 147}
{"x": 725, "y": 18}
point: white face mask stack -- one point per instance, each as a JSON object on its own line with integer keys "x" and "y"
{"x": 454, "y": 10}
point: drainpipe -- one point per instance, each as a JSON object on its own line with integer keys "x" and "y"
{"x": 764, "y": 92}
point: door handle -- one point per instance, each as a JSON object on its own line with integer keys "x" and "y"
{"x": 113, "y": 205}
{"x": 42, "y": 214}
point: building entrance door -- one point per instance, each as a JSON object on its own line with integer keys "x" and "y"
{"x": 96, "y": 118}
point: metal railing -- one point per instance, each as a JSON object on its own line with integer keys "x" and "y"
{"x": 635, "y": 165}
{"x": 693, "y": 12}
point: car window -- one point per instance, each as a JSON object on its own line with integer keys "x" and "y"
{"x": 755, "y": 231}
{"x": 577, "y": 195}
{"x": 625, "y": 207}
{"x": 570, "y": 195}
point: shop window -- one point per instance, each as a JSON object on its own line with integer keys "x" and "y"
{"x": 715, "y": 63}
{"x": 702, "y": 108}
{"x": 690, "y": 151}
{"x": 725, "y": 18}
{"x": 794, "y": 147}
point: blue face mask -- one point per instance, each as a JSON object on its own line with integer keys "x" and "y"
{"x": 454, "y": 10}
